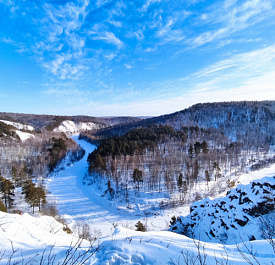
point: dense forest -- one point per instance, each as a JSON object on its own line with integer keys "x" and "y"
{"x": 206, "y": 146}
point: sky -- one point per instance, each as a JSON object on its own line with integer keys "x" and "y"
{"x": 134, "y": 58}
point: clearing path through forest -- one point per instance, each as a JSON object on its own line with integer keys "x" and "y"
{"x": 79, "y": 202}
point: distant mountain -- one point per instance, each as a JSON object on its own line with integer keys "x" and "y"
{"x": 230, "y": 117}
{"x": 52, "y": 121}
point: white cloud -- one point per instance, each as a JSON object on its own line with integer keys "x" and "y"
{"x": 147, "y": 4}
{"x": 106, "y": 36}
{"x": 232, "y": 17}
{"x": 128, "y": 66}
{"x": 6, "y": 40}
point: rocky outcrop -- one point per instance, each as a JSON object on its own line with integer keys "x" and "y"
{"x": 230, "y": 219}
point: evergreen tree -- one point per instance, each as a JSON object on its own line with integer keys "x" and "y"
{"x": 140, "y": 227}
{"x": 35, "y": 196}
{"x": 197, "y": 148}
{"x": 2, "y": 207}
{"x": 7, "y": 190}
{"x": 204, "y": 146}
{"x": 180, "y": 182}
{"x": 137, "y": 176}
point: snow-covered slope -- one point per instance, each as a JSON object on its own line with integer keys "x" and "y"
{"x": 24, "y": 135}
{"x": 72, "y": 127}
{"x": 24, "y": 238}
{"x": 19, "y": 126}
{"x": 131, "y": 247}
{"x": 230, "y": 219}
{"x": 33, "y": 240}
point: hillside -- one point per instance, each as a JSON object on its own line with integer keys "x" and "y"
{"x": 226, "y": 116}
{"x": 53, "y": 121}
{"x": 205, "y": 147}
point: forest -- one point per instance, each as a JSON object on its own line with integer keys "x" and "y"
{"x": 209, "y": 149}
{"x": 24, "y": 165}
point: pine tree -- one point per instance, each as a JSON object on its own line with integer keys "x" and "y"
{"x": 204, "y": 146}
{"x": 140, "y": 227}
{"x": 35, "y": 196}
{"x": 2, "y": 207}
{"x": 137, "y": 176}
{"x": 180, "y": 182}
{"x": 7, "y": 190}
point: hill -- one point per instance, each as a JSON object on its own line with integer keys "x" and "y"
{"x": 52, "y": 121}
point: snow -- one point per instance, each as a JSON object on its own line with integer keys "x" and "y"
{"x": 131, "y": 247}
{"x": 257, "y": 175}
{"x": 19, "y": 126}
{"x": 233, "y": 218}
{"x": 114, "y": 225}
{"x": 29, "y": 236}
{"x": 75, "y": 128}
{"x": 24, "y": 135}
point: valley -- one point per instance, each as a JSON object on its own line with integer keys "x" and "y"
{"x": 154, "y": 195}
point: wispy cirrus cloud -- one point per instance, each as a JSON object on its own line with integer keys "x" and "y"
{"x": 165, "y": 48}
{"x": 256, "y": 62}
{"x": 231, "y": 17}
{"x": 106, "y": 36}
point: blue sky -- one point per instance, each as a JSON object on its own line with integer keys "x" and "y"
{"x": 145, "y": 57}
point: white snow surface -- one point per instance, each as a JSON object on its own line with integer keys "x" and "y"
{"x": 19, "y": 126}
{"x": 24, "y": 135}
{"x": 74, "y": 128}
{"x": 132, "y": 247}
{"x": 30, "y": 236}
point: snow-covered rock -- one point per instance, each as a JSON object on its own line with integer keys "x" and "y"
{"x": 19, "y": 126}
{"x": 72, "y": 127}
{"x": 230, "y": 219}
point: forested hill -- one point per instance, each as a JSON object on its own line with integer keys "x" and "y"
{"x": 226, "y": 116}
{"x": 52, "y": 121}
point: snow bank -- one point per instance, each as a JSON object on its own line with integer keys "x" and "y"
{"x": 131, "y": 247}
{"x": 75, "y": 128}
{"x": 19, "y": 126}
{"x": 30, "y": 236}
